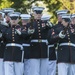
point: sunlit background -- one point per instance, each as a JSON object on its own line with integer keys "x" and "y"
{"x": 24, "y": 6}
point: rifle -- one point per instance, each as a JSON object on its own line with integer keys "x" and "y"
{"x": 31, "y": 19}
{"x": 31, "y": 22}
{"x": 31, "y": 29}
{"x": 65, "y": 29}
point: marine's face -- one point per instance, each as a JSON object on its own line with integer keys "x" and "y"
{"x": 37, "y": 16}
{"x": 64, "y": 23}
{"x": 14, "y": 21}
{"x": 59, "y": 18}
{"x": 73, "y": 20}
{"x": 25, "y": 21}
{"x": 7, "y": 18}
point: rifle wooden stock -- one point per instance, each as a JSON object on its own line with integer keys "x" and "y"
{"x": 31, "y": 22}
{"x": 65, "y": 29}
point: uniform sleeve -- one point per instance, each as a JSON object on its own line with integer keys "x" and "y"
{"x": 52, "y": 37}
{"x": 25, "y": 35}
{"x": 4, "y": 33}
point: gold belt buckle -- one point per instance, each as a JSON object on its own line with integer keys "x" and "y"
{"x": 39, "y": 41}
{"x": 12, "y": 44}
{"x": 69, "y": 43}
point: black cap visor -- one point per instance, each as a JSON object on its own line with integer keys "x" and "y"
{"x": 38, "y": 12}
{"x": 14, "y": 18}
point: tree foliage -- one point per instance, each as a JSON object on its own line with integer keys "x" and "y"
{"x": 69, "y": 4}
{"x": 5, "y": 3}
{"x": 22, "y": 5}
{"x": 54, "y": 5}
{"x": 51, "y": 5}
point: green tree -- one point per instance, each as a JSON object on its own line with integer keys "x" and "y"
{"x": 69, "y": 4}
{"x": 5, "y": 4}
{"x": 53, "y": 6}
{"x": 22, "y": 5}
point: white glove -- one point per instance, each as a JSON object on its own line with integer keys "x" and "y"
{"x": 61, "y": 35}
{"x": 49, "y": 24}
{"x": 4, "y": 23}
{"x": 0, "y": 34}
{"x": 18, "y": 32}
{"x": 31, "y": 31}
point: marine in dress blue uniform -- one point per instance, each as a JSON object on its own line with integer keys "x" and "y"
{"x": 13, "y": 55}
{"x": 66, "y": 46}
{"x": 25, "y": 19}
{"x": 53, "y": 47}
{"x": 2, "y": 44}
{"x": 39, "y": 44}
{"x": 51, "y": 50}
{"x": 6, "y": 12}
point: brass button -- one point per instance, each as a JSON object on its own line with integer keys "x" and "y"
{"x": 12, "y": 34}
{"x": 38, "y": 24}
{"x": 39, "y": 33}
{"x": 38, "y": 27}
{"x": 39, "y": 36}
{"x": 69, "y": 38}
{"x": 13, "y": 37}
{"x": 38, "y": 30}
{"x": 13, "y": 40}
{"x": 68, "y": 35}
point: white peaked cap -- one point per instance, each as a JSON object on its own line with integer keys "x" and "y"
{"x": 61, "y": 12}
{"x": 38, "y": 8}
{"x": 73, "y": 15}
{"x": 12, "y": 15}
{"x": 25, "y": 16}
{"x": 45, "y": 17}
{"x": 66, "y": 16}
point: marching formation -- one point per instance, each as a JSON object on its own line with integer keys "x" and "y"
{"x": 31, "y": 45}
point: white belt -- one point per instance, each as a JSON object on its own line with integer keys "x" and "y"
{"x": 69, "y": 44}
{"x": 25, "y": 44}
{"x": 50, "y": 45}
{"x": 40, "y": 41}
{"x": 14, "y": 44}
